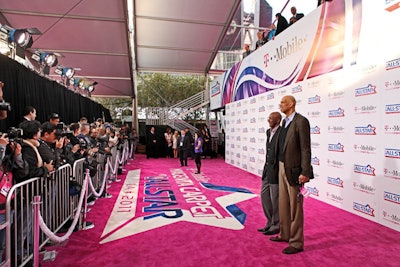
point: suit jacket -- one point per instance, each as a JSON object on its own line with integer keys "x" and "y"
{"x": 151, "y": 137}
{"x": 271, "y": 166}
{"x": 186, "y": 143}
{"x": 297, "y": 147}
{"x": 296, "y": 18}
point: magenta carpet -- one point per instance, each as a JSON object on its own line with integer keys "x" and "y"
{"x": 162, "y": 214}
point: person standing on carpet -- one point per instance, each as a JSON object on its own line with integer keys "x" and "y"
{"x": 152, "y": 144}
{"x": 198, "y": 149}
{"x": 183, "y": 147}
{"x": 294, "y": 155}
{"x": 175, "y": 144}
{"x": 270, "y": 178}
{"x": 168, "y": 142}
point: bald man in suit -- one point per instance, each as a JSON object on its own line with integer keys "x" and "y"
{"x": 294, "y": 155}
{"x": 270, "y": 178}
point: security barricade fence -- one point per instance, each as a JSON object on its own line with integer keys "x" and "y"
{"x": 61, "y": 203}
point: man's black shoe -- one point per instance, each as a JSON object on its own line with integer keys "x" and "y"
{"x": 262, "y": 230}
{"x": 291, "y": 250}
{"x": 271, "y": 232}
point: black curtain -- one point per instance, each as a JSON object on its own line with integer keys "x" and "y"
{"x": 24, "y": 87}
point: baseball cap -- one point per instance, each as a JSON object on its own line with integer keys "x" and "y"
{"x": 54, "y": 116}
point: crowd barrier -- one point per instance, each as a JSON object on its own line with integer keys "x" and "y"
{"x": 54, "y": 202}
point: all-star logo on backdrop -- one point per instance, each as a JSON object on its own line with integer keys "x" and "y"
{"x": 155, "y": 201}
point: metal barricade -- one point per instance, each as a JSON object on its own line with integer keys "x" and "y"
{"x": 54, "y": 192}
{"x": 19, "y": 236}
{"x": 56, "y": 207}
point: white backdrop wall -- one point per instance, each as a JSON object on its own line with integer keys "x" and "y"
{"x": 352, "y": 101}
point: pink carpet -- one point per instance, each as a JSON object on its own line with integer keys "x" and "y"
{"x": 217, "y": 216}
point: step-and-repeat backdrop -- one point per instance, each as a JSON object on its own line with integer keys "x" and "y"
{"x": 342, "y": 64}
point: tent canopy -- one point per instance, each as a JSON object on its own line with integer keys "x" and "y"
{"x": 175, "y": 36}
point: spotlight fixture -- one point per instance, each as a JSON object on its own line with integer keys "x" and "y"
{"x": 65, "y": 71}
{"x": 66, "y": 74}
{"x": 90, "y": 88}
{"x": 84, "y": 85}
{"x": 75, "y": 83}
{"x": 49, "y": 59}
{"x": 46, "y": 60}
{"x": 20, "y": 37}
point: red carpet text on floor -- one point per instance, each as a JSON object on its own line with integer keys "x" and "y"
{"x": 162, "y": 214}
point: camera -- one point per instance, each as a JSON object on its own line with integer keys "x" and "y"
{"x": 82, "y": 144}
{"x": 14, "y": 134}
{"x": 62, "y": 131}
{"x": 5, "y": 106}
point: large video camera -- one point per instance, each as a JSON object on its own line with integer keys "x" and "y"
{"x": 5, "y": 106}
{"x": 62, "y": 131}
{"x": 14, "y": 134}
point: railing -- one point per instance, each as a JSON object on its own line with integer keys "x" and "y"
{"x": 181, "y": 125}
{"x": 172, "y": 116}
{"x": 56, "y": 206}
{"x": 194, "y": 102}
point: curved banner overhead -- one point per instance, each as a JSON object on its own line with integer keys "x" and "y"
{"x": 344, "y": 74}
{"x": 314, "y": 46}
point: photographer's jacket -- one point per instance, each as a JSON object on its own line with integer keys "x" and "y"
{"x": 31, "y": 154}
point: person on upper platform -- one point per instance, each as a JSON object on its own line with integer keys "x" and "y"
{"x": 296, "y": 16}
{"x": 281, "y": 24}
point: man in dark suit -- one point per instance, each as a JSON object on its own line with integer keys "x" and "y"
{"x": 294, "y": 155}
{"x": 152, "y": 145}
{"x": 295, "y": 16}
{"x": 183, "y": 147}
{"x": 270, "y": 185}
{"x": 29, "y": 113}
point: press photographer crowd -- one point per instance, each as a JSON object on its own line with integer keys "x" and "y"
{"x": 45, "y": 150}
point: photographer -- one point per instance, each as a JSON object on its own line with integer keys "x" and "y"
{"x": 36, "y": 168}
{"x": 50, "y": 148}
{"x": 134, "y": 141}
{"x": 112, "y": 136}
{"x": 72, "y": 149}
{"x": 84, "y": 141}
{"x": 98, "y": 141}
{"x": 4, "y": 106}
{"x": 54, "y": 119}
{"x": 10, "y": 161}
{"x": 30, "y": 153}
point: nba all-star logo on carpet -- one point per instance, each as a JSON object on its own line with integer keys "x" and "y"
{"x": 151, "y": 202}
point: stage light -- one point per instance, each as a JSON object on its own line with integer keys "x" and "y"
{"x": 20, "y": 37}
{"x": 65, "y": 71}
{"x": 81, "y": 84}
{"x": 75, "y": 83}
{"x": 67, "y": 75}
{"x": 90, "y": 87}
{"x": 84, "y": 86}
{"x": 46, "y": 58}
{"x": 68, "y": 72}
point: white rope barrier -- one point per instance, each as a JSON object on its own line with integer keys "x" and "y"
{"x": 109, "y": 164}
{"x": 118, "y": 159}
{"x": 60, "y": 239}
{"x": 102, "y": 186}
{"x": 53, "y": 237}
